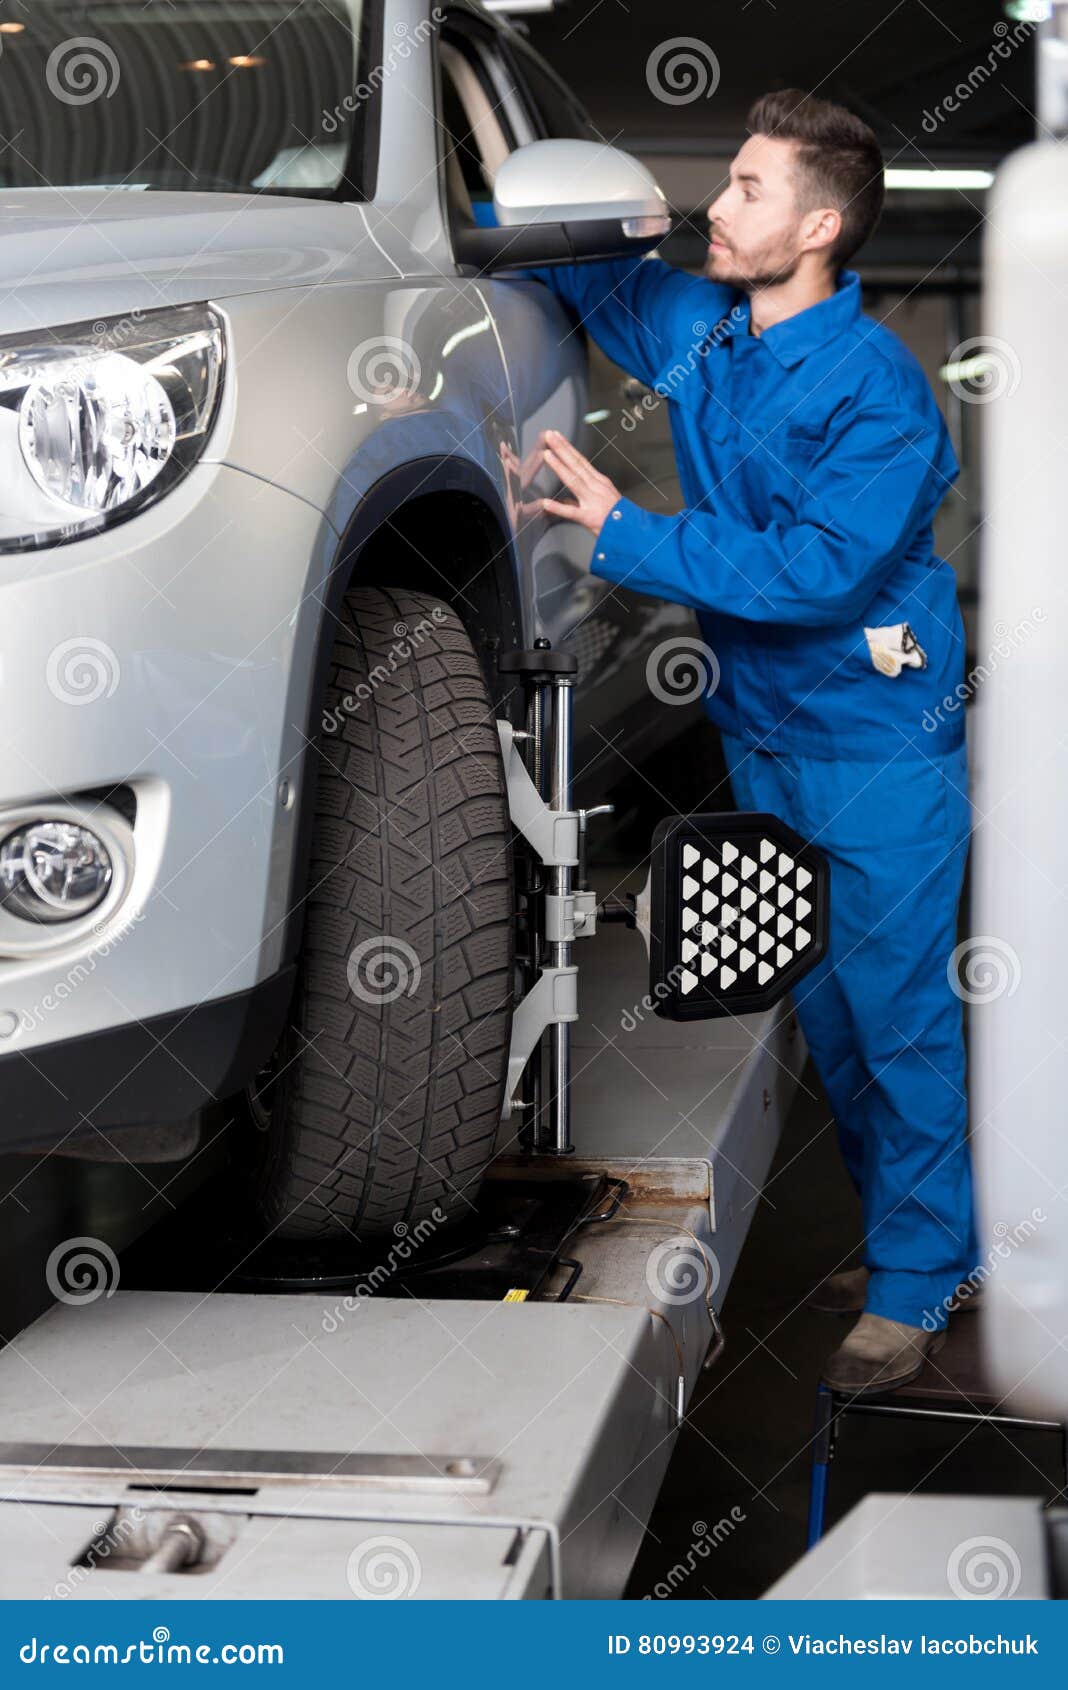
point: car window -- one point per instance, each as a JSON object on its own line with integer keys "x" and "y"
{"x": 475, "y": 133}
{"x": 231, "y": 95}
{"x": 496, "y": 95}
{"x": 557, "y": 112}
{"x": 483, "y": 119}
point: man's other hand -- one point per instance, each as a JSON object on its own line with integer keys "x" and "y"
{"x": 594, "y": 493}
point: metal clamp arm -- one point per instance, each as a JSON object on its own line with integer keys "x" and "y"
{"x": 552, "y": 1000}
{"x": 552, "y": 833}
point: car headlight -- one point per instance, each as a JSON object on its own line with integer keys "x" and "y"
{"x": 98, "y": 419}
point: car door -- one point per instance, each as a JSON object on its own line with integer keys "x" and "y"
{"x": 485, "y": 118}
{"x": 501, "y": 94}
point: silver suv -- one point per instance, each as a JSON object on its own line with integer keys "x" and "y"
{"x": 271, "y": 385}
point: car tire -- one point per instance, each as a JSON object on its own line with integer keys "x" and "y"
{"x": 385, "y": 1100}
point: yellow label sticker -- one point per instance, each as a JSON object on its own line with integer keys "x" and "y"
{"x": 516, "y": 1295}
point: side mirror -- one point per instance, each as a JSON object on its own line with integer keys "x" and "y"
{"x": 557, "y": 202}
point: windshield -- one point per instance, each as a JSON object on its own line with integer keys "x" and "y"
{"x": 232, "y": 95}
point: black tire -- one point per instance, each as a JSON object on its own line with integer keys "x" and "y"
{"x": 390, "y": 1081}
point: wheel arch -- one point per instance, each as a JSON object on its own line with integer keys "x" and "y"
{"x": 402, "y": 517}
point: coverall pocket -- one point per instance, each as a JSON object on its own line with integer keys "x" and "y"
{"x": 879, "y": 807}
{"x": 802, "y": 444}
{"x": 895, "y": 836}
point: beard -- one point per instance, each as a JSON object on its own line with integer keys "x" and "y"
{"x": 765, "y": 271}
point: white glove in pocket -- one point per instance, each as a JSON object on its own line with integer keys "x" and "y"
{"x": 894, "y": 649}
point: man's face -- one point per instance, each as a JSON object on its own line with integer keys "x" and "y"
{"x": 755, "y": 226}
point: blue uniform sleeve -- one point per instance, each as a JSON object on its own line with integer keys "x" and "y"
{"x": 638, "y": 310}
{"x": 859, "y": 500}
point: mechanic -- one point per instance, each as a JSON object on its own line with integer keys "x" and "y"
{"x": 812, "y": 458}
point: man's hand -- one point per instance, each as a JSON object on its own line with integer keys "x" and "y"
{"x": 594, "y": 493}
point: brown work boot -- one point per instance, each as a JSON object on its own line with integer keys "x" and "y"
{"x": 841, "y": 1293}
{"x": 879, "y": 1355}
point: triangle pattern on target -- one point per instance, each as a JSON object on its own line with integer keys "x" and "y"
{"x": 759, "y": 895}
{"x": 772, "y": 935}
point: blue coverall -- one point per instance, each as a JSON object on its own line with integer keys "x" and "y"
{"x": 812, "y": 459}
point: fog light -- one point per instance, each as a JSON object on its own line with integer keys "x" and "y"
{"x": 53, "y": 871}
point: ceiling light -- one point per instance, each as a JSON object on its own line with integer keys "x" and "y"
{"x": 939, "y": 180}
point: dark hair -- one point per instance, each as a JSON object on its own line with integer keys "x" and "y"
{"x": 841, "y": 162}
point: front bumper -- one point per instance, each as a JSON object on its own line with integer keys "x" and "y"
{"x": 121, "y": 1077}
{"x": 171, "y": 656}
